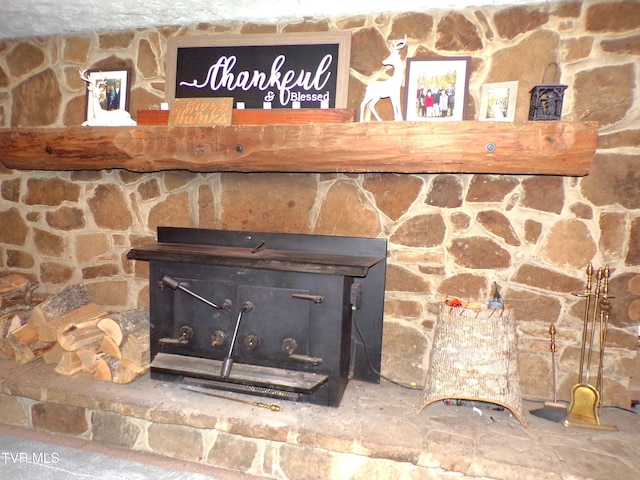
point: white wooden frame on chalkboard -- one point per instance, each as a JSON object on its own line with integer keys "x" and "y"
{"x": 341, "y": 39}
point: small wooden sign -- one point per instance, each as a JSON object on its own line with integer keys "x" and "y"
{"x": 191, "y": 112}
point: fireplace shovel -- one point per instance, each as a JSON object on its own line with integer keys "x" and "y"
{"x": 554, "y": 411}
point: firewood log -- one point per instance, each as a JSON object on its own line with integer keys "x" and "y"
{"x": 127, "y": 372}
{"x": 136, "y": 347}
{"x": 119, "y": 325}
{"x": 88, "y": 358}
{"x": 26, "y": 345}
{"x": 64, "y": 301}
{"x": 118, "y": 371}
{"x": 8, "y": 324}
{"x": 69, "y": 364}
{"x": 110, "y": 347}
{"x": 50, "y": 331}
{"x": 53, "y": 356}
{"x": 81, "y": 335}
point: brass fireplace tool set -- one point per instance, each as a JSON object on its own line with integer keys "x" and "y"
{"x": 586, "y": 399}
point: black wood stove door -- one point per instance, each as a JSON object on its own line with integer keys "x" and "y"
{"x": 296, "y": 321}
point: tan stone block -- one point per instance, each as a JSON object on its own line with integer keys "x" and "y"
{"x": 233, "y": 452}
{"x": 308, "y": 25}
{"x": 149, "y": 189}
{"x": 417, "y": 257}
{"x": 546, "y": 279}
{"x": 498, "y": 224}
{"x": 51, "y": 272}
{"x": 36, "y": 100}
{"x": 569, "y": 245}
{"x": 347, "y": 211}
{"x": 147, "y": 61}
{"x": 116, "y": 40}
{"x": 612, "y": 16}
{"x": 543, "y": 193}
{"x": 114, "y": 430}
{"x": 490, "y": 188}
{"x": 206, "y": 207}
{"x": 427, "y": 230}
{"x": 403, "y": 352}
{"x": 110, "y": 293}
{"x": 478, "y": 252}
{"x": 66, "y": 218}
{"x": 110, "y": 208}
{"x": 51, "y": 191}
{"x": 577, "y": 48}
{"x": 20, "y": 259}
{"x": 368, "y": 49}
{"x": 23, "y": 58}
{"x": 76, "y": 49}
{"x": 49, "y": 244}
{"x": 10, "y": 190}
{"x": 457, "y": 33}
{"x": 401, "y": 279}
{"x": 307, "y": 463}
{"x": 614, "y": 98}
{"x": 402, "y": 308}
{"x": 91, "y": 246}
{"x": 251, "y": 27}
{"x": 176, "y": 441}
{"x": 176, "y": 180}
{"x": 14, "y": 411}
{"x": 394, "y": 194}
{"x": 175, "y": 211}
{"x": 55, "y": 418}
{"x": 17, "y": 234}
{"x": 415, "y": 25}
{"x": 622, "y": 46}
{"x": 445, "y": 191}
{"x": 511, "y": 22}
{"x": 271, "y": 202}
{"x": 464, "y": 286}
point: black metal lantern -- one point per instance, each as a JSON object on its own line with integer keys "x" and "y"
{"x": 546, "y": 99}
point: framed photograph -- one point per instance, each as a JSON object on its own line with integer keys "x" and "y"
{"x": 498, "y": 101}
{"x": 263, "y": 71}
{"x": 114, "y": 87}
{"x": 436, "y": 88}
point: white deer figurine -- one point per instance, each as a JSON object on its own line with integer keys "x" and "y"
{"x": 99, "y": 116}
{"x": 389, "y": 88}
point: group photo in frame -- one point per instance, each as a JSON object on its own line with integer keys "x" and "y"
{"x": 114, "y": 90}
{"x": 498, "y": 101}
{"x": 436, "y": 89}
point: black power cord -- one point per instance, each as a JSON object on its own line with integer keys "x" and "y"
{"x": 356, "y": 299}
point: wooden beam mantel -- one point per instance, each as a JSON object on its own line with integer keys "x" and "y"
{"x": 536, "y": 148}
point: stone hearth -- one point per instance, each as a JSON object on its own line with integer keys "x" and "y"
{"x": 375, "y": 433}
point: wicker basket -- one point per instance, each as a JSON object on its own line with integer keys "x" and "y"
{"x": 475, "y": 357}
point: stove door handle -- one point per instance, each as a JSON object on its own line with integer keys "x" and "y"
{"x": 315, "y": 361}
{"x": 317, "y": 299}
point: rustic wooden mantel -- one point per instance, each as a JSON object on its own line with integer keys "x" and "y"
{"x": 536, "y": 148}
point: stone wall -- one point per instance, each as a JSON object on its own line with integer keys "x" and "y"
{"x": 448, "y": 234}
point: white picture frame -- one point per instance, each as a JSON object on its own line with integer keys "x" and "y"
{"x": 498, "y": 102}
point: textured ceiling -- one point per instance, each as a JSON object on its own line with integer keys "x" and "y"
{"x": 30, "y": 18}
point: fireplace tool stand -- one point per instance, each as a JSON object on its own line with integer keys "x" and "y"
{"x": 586, "y": 399}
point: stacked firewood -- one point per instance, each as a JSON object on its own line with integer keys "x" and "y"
{"x": 77, "y": 335}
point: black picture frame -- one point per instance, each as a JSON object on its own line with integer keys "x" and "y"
{"x": 225, "y": 65}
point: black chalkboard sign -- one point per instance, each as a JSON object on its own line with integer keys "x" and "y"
{"x": 261, "y": 71}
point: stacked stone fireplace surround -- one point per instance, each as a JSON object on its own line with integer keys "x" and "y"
{"x": 448, "y": 234}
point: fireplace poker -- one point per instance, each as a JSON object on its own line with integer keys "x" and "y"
{"x": 272, "y": 407}
{"x": 174, "y": 284}
{"x": 227, "y": 363}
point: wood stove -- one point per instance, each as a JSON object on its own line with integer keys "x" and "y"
{"x": 287, "y": 316}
